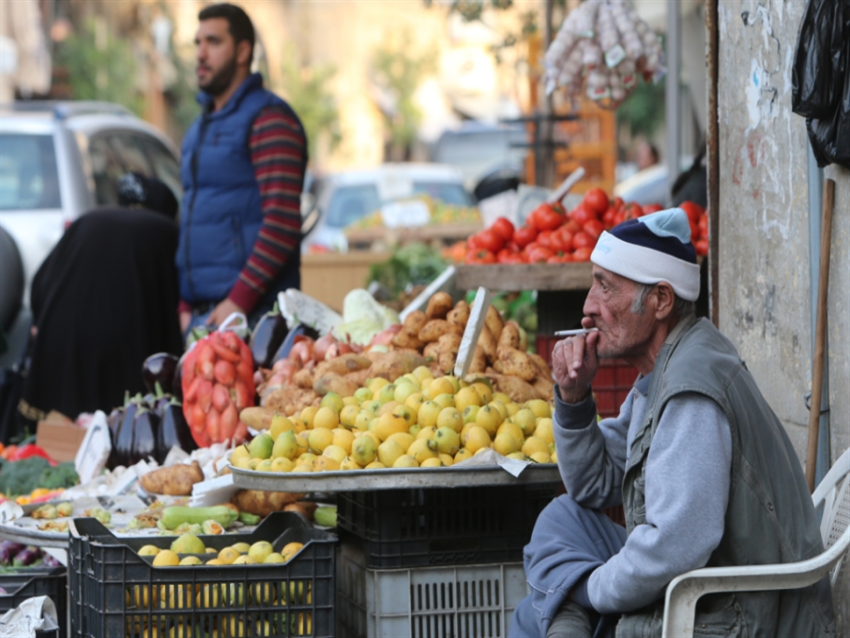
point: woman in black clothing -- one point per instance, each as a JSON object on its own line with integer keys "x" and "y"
{"x": 104, "y": 299}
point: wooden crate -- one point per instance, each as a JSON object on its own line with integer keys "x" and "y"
{"x": 591, "y": 143}
{"x": 328, "y": 277}
{"x": 542, "y": 277}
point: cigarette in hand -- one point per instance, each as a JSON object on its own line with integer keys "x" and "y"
{"x": 573, "y": 333}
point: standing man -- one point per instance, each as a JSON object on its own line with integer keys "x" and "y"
{"x": 701, "y": 464}
{"x": 243, "y": 163}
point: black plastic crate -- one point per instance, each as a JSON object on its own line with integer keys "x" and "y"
{"x": 442, "y": 526}
{"x": 115, "y": 592}
{"x": 30, "y": 582}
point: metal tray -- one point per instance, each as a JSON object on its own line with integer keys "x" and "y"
{"x": 390, "y": 479}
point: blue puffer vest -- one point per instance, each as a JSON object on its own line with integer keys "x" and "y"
{"x": 221, "y": 214}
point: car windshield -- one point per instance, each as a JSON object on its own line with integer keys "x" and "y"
{"x": 28, "y": 176}
{"x": 350, "y": 203}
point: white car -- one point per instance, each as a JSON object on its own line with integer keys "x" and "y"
{"x": 61, "y": 159}
{"x": 344, "y": 198}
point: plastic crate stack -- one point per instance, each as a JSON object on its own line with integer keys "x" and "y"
{"x": 38, "y": 581}
{"x": 117, "y": 593}
{"x": 422, "y": 563}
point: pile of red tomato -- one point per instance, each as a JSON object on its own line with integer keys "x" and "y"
{"x": 554, "y": 236}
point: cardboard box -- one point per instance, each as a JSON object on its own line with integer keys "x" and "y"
{"x": 59, "y": 436}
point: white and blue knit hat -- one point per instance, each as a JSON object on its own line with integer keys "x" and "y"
{"x": 651, "y": 249}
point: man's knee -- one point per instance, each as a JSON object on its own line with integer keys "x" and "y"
{"x": 571, "y": 621}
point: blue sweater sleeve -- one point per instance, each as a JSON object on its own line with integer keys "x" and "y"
{"x": 688, "y": 475}
{"x": 591, "y": 456}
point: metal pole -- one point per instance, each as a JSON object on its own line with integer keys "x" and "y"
{"x": 815, "y": 201}
{"x": 673, "y": 114}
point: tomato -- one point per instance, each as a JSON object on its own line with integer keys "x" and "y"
{"x": 549, "y": 217}
{"x": 545, "y": 238}
{"x": 583, "y": 239}
{"x": 539, "y": 254}
{"x": 562, "y": 240}
{"x": 480, "y": 257}
{"x": 582, "y": 254}
{"x": 652, "y": 208}
{"x": 473, "y": 243}
{"x": 490, "y": 240}
{"x": 582, "y": 214}
{"x": 633, "y": 211}
{"x": 618, "y": 203}
{"x": 619, "y": 218}
{"x": 593, "y": 228}
{"x": 504, "y": 228}
{"x": 703, "y": 226}
{"x": 572, "y": 226}
{"x": 596, "y": 200}
{"x": 515, "y": 258}
{"x": 525, "y": 235}
{"x": 701, "y": 246}
{"x": 608, "y": 218}
{"x": 692, "y": 210}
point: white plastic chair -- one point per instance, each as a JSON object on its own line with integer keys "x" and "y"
{"x": 833, "y": 494}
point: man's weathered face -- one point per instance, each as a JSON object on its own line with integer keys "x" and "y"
{"x": 216, "y": 55}
{"x": 622, "y": 332}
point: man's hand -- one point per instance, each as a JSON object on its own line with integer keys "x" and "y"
{"x": 185, "y": 320}
{"x": 222, "y": 311}
{"x": 574, "y": 364}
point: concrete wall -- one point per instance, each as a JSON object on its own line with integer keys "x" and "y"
{"x": 764, "y": 247}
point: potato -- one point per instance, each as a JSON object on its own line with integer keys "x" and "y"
{"x": 257, "y": 418}
{"x": 331, "y": 382}
{"x": 517, "y": 364}
{"x": 479, "y": 360}
{"x": 304, "y": 508}
{"x": 518, "y": 390}
{"x": 415, "y": 320}
{"x": 494, "y": 322}
{"x": 392, "y": 365}
{"x": 439, "y": 305}
{"x": 544, "y": 387}
{"x": 344, "y": 364}
{"x": 304, "y": 378}
{"x": 358, "y": 377}
{"x": 510, "y": 336}
{"x": 290, "y": 400}
{"x": 431, "y": 350}
{"x": 407, "y": 338}
{"x": 459, "y": 315}
{"x": 436, "y": 328}
{"x": 487, "y": 343}
{"x": 542, "y": 366}
{"x": 449, "y": 345}
{"x": 263, "y": 503}
{"x": 176, "y": 480}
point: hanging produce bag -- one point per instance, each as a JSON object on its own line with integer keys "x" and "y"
{"x": 820, "y": 60}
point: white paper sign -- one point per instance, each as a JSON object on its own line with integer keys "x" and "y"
{"x": 405, "y": 214}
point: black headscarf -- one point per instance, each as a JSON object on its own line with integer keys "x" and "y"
{"x": 105, "y": 299}
{"x": 137, "y": 190}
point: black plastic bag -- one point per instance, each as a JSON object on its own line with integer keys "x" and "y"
{"x": 819, "y": 59}
{"x": 830, "y": 136}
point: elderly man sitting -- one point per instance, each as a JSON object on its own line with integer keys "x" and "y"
{"x": 704, "y": 469}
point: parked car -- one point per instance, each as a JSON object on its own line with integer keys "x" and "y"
{"x": 57, "y": 161}
{"x": 61, "y": 159}
{"x": 344, "y": 198}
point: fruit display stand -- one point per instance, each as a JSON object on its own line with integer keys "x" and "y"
{"x": 37, "y": 581}
{"x": 444, "y": 233}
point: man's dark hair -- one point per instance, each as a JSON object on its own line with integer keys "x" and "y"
{"x": 239, "y": 24}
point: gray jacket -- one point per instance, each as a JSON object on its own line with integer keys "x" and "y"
{"x": 769, "y": 517}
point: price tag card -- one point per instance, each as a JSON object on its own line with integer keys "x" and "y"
{"x": 405, "y": 214}
{"x": 473, "y": 330}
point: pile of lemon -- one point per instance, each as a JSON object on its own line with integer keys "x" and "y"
{"x": 191, "y": 548}
{"x": 417, "y": 421}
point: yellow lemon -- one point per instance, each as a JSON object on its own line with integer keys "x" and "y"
{"x": 280, "y": 424}
{"x": 290, "y": 549}
{"x": 405, "y": 460}
{"x": 319, "y": 439}
{"x": 439, "y": 386}
{"x": 423, "y": 372}
{"x": 476, "y": 439}
{"x": 466, "y": 397}
{"x": 540, "y": 408}
{"x": 190, "y": 560}
{"x": 484, "y": 391}
{"x": 402, "y": 438}
{"x": 389, "y": 424}
{"x": 166, "y": 558}
{"x": 361, "y": 421}
{"x": 413, "y": 379}
{"x": 349, "y": 464}
{"x": 264, "y": 466}
{"x": 519, "y": 456}
{"x": 346, "y": 401}
{"x": 149, "y": 550}
{"x": 333, "y": 401}
{"x": 428, "y": 413}
{"x": 447, "y": 460}
{"x": 469, "y": 413}
{"x": 514, "y": 430}
{"x": 421, "y": 451}
{"x": 503, "y": 410}
{"x": 364, "y": 450}
{"x": 544, "y": 430}
{"x": 450, "y": 418}
{"x": 343, "y": 439}
{"x": 363, "y": 394}
{"x": 447, "y": 441}
{"x": 388, "y": 452}
{"x": 427, "y": 433}
{"x": 388, "y": 407}
{"x": 214, "y": 561}
{"x": 405, "y": 413}
{"x": 335, "y": 452}
{"x": 349, "y": 415}
{"x": 445, "y": 400}
{"x": 303, "y": 467}
{"x": 535, "y": 444}
{"x": 282, "y": 464}
{"x": 245, "y": 559}
{"x": 540, "y": 457}
{"x": 462, "y": 454}
{"x": 454, "y": 381}
{"x": 326, "y": 418}
{"x": 404, "y": 390}
{"x": 242, "y": 548}
{"x": 375, "y": 465}
{"x": 307, "y": 415}
{"x": 432, "y": 462}
{"x": 273, "y": 558}
{"x": 489, "y": 418}
{"x": 306, "y": 457}
{"x": 526, "y": 420}
{"x": 505, "y": 444}
{"x": 239, "y": 453}
{"x": 501, "y": 397}
{"x": 415, "y": 401}
{"x": 325, "y": 464}
{"x": 376, "y": 384}
{"x": 228, "y": 555}
{"x": 512, "y": 408}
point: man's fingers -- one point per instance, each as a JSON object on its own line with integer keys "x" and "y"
{"x": 577, "y": 356}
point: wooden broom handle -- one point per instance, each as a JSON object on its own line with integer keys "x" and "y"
{"x": 820, "y": 332}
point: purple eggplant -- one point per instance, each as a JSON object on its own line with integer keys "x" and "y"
{"x": 145, "y": 428}
{"x": 159, "y": 368}
{"x": 122, "y": 451}
{"x": 173, "y": 430}
{"x": 8, "y": 551}
{"x": 26, "y": 557}
{"x": 267, "y": 337}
